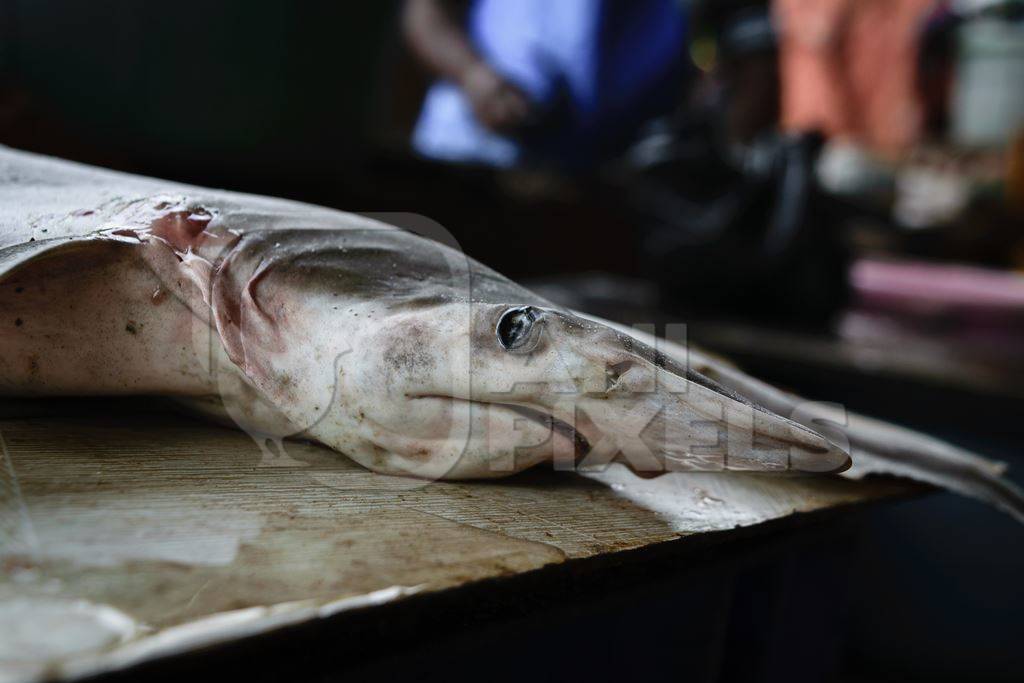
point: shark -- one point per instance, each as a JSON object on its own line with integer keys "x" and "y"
{"x": 396, "y": 350}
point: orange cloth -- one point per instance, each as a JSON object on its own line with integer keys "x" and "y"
{"x": 849, "y": 69}
{"x": 1015, "y": 172}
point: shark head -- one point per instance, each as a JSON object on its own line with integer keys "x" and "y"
{"x": 412, "y": 359}
{"x": 471, "y": 390}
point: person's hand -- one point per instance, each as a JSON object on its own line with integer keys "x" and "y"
{"x": 498, "y": 105}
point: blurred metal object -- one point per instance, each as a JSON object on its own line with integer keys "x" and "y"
{"x": 926, "y": 197}
{"x": 849, "y": 170}
{"x": 988, "y": 100}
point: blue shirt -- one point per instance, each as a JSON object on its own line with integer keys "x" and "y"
{"x": 595, "y": 69}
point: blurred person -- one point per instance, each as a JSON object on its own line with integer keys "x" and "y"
{"x": 735, "y": 46}
{"x": 564, "y": 83}
{"x": 849, "y": 69}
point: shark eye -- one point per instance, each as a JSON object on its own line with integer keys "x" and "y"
{"x": 516, "y": 329}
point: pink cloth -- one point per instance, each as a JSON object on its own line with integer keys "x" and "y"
{"x": 931, "y": 287}
{"x": 916, "y": 305}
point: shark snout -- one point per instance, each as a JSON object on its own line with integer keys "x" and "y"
{"x": 655, "y": 421}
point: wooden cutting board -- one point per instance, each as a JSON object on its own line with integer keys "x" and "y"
{"x": 128, "y": 536}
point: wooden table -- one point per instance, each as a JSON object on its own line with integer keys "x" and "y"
{"x": 131, "y": 539}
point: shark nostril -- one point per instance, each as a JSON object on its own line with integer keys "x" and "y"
{"x": 615, "y": 371}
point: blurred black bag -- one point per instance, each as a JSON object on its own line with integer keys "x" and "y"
{"x": 737, "y": 232}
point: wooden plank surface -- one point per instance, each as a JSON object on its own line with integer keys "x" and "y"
{"x": 130, "y": 536}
